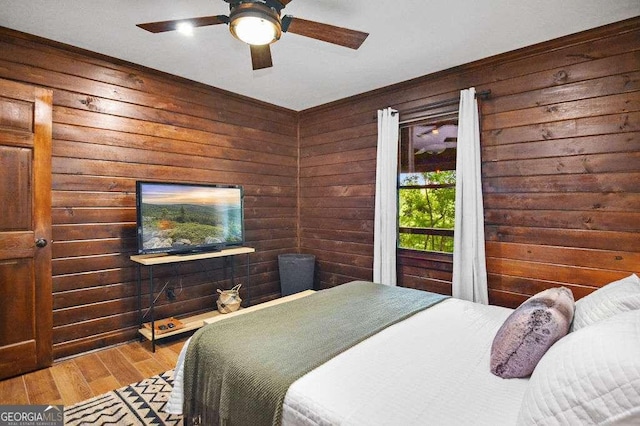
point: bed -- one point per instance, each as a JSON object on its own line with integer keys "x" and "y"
{"x": 432, "y": 367}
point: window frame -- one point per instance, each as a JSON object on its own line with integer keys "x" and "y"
{"x": 439, "y": 119}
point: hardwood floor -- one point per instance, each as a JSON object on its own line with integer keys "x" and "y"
{"x": 70, "y": 381}
{"x": 73, "y": 380}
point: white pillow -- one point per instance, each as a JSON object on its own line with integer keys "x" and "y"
{"x": 619, "y": 296}
{"x": 591, "y": 376}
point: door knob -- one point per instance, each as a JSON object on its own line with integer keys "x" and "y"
{"x": 41, "y": 242}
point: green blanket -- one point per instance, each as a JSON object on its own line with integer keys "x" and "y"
{"x": 237, "y": 371}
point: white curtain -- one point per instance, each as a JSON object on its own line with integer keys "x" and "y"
{"x": 469, "y": 265}
{"x": 386, "y": 217}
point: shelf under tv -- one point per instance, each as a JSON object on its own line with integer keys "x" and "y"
{"x": 162, "y": 258}
{"x": 193, "y": 322}
{"x": 190, "y": 323}
{"x": 196, "y": 321}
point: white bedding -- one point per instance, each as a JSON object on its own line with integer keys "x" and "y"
{"x": 431, "y": 369}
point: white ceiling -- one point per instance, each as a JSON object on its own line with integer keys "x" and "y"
{"x": 408, "y": 39}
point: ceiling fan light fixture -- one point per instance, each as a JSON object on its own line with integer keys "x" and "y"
{"x": 255, "y": 24}
{"x": 185, "y": 28}
{"x": 254, "y": 30}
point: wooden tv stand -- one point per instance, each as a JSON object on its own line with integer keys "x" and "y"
{"x": 193, "y": 322}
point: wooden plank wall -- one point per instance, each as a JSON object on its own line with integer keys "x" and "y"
{"x": 561, "y": 168}
{"x": 115, "y": 123}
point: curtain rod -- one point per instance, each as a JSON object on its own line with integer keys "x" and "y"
{"x": 447, "y": 102}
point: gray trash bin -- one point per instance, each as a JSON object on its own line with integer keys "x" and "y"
{"x": 296, "y": 272}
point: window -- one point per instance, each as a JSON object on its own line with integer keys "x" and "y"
{"x": 427, "y": 180}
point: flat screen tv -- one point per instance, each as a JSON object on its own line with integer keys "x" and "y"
{"x": 188, "y": 218}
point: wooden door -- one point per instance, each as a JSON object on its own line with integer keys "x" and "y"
{"x": 26, "y": 312}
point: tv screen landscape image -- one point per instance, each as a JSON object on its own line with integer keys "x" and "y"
{"x": 187, "y": 218}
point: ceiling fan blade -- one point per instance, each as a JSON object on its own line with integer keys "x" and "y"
{"x": 325, "y": 32}
{"x": 261, "y": 57}
{"x": 203, "y": 21}
{"x": 284, "y": 2}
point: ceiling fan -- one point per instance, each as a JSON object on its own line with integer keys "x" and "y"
{"x": 258, "y": 23}
{"x": 435, "y": 139}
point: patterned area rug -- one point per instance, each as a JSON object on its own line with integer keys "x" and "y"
{"x": 141, "y": 403}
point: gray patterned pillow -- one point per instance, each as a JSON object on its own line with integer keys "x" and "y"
{"x": 529, "y": 331}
